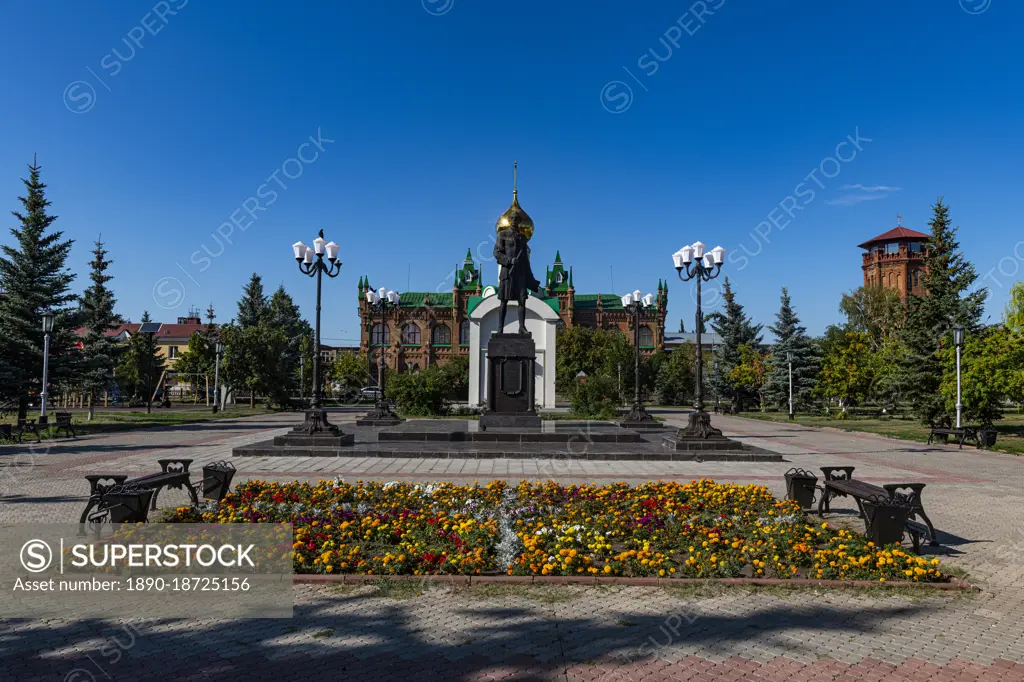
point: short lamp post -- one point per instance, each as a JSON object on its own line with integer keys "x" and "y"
{"x": 958, "y": 341}
{"x": 692, "y": 263}
{"x": 637, "y": 306}
{"x": 378, "y": 303}
{"x": 218, "y": 351}
{"x": 311, "y": 263}
{"x": 789, "y": 363}
{"x": 45, "y": 393}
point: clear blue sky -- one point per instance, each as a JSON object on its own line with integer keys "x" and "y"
{"x": 156, "y": 140}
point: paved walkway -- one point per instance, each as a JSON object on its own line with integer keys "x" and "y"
{"x": 564, "y": 633}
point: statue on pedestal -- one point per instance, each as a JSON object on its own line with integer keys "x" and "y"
{"x": 512, "y": 251}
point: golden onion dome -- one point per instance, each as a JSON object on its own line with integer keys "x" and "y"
{"x": 516, "y": 218}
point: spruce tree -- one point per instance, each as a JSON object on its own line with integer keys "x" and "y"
{"x": 34, "y": 279}
{"x": 141, "y": 366}
{"x": 930, "y": 317}
{"x": 98, "y": 316}
{"x": 283, "y": 314}
{"x": 252, "y": 307}
{"x": 736, "y": 329}
{"x": 791, "y": 339}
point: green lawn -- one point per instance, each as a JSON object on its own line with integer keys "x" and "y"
{"x": 108, "y": 421}
{"x": 1010, "y": 427}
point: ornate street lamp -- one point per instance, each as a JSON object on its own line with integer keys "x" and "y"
{"x": 45, "y": 393}
{"x": 378, "y": 303}
{"x": 637, "y": 305}
{"x": 311, "y": 263}
{"x": 692, "y": 263}
{"x": 958, "y": 340}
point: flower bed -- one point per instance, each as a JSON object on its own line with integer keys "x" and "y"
{"x": 700, "y": 529}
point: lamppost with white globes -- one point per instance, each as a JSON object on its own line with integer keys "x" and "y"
{"x": 311, "y": 263}
{"x": 637, "y": 305}
{"x": 379, "y": 303}
{"x": 692, "y": 263}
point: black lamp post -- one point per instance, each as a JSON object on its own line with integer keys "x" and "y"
{"x": 636, "y": 305}
{"x": 378, "y": 303}
{"x": 958, "y": 341}
{"x": 311, "y": 263}
{"x": 692, "y": 263}
{"x": 45, "y": 393}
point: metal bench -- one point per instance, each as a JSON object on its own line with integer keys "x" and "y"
{"x": 62, "y": 422}
{"x": 839, "y": 482}
{"x": 26, "y": 426}
{"x": 962, "y": 434}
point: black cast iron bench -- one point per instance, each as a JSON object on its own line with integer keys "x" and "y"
{"x": 961, "y": 435}
{"x": 62, "y": 422}
{"x": 839, "y": 482}
{"x": 173, "y": 474}
{"x": 24, "y": 426}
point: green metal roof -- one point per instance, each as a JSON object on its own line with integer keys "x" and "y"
{"x": 608, "y": 301}
{"x": 417, "y": 299}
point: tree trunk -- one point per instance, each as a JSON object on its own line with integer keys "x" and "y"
{"x": 92, "y": 406}
{"x": 252, "y": 399}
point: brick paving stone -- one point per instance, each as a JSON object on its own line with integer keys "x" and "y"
{"x": 974, "y": 498}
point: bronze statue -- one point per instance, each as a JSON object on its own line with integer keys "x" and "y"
{"x": 512, "y": 251}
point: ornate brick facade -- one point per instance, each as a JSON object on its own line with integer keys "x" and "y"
{"x": 431, "y": 327}
{"x": 895, "y": 260}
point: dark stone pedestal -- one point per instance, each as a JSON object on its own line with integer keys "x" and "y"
{"x": 380, "y": 415}
{"x": 511, "y": 368}
{"x": 699, "y": 435}
{"x": 639, "y": 419}
{"x": 315, "y": 431}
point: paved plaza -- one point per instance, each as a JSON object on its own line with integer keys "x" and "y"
{"x": 555, "y": 632}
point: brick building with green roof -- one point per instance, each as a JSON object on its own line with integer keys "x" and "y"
{"x": 430, "y": 327}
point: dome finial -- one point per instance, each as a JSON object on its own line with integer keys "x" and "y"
{"x": 515, "y": 189}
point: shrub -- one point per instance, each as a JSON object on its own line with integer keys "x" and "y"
{"x": 595, "y": 398}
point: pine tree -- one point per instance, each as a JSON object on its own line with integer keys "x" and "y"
{"x": 283, "y": 314}
{"x": 98, "y": 350}
{"x": 736, "y": 330}
{"x": 34, "y": 279}
{"x": 791, "y": 339}
{"x": 252, "y": 307}
{"x": 930, "y": 317}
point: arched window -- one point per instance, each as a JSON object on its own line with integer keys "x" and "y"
{"x": 646, "y": 337}
{"x": 410, "y": 335}
{"x": 442, "y": 335}
{"x": 464, "y": 333}
{"x": 380, "y": 335}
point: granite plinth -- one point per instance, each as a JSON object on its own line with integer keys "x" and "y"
{"x": 302, "y": 439}
{"x": 679, "y": 443}
{"x": 469, "y": 431}
{"x": 645, "y": 424}
{"x": 378, "y": 422}
{"x": 509, "y": 420}
{"x": 462, "y": 439}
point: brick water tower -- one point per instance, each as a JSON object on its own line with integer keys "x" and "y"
{"x": 895, "y": 260}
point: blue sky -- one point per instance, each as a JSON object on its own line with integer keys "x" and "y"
{"x": 638, "y": 127}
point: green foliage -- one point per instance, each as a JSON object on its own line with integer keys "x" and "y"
{"x": 874, "y": 310}
{"x": 1013, "y": 316}
{"x": 430, "y": 391}
{"x": 846, "y": 371}
{"x": 99, "y": 353}
{"x": 991, "y": 373}
{"x": 197, "y": 363}
{"x": 141, "y": 366}
{"x": 34, "y": 278}
{"x": 792, "y": 340}
{"x": 595, "y": 398}
{"x": 253, "y": 306}
{"x": 252, "y": 360}
{"x": 675, "y": 381}
{"x": 350, "y": 370}
{"x": 751, "y": 372}
{"x": 950, "y": 300}
{"x": 606, "y": 353}
{"x": 736, "y": 330}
